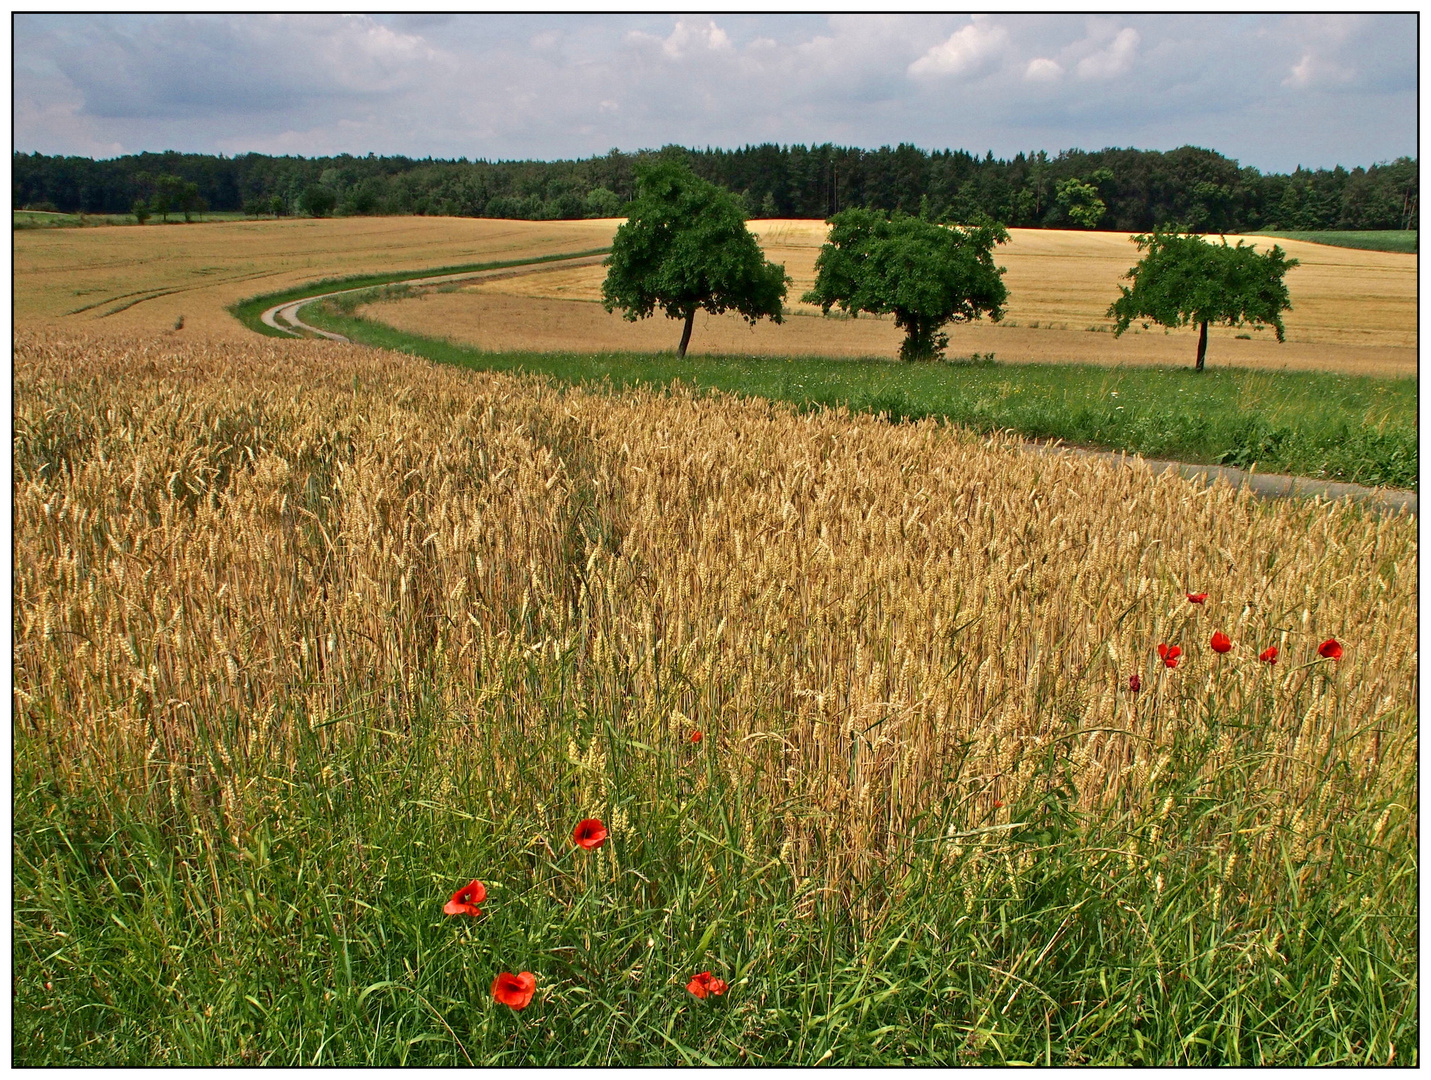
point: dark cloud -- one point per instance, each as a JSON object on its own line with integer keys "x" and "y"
{"x": 1272, "y": 91}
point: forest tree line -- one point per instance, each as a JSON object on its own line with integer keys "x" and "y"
{"x": 1118, "y": 189}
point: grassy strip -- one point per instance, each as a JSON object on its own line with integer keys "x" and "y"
{"x": 248, "y": 311}
{"x": 1399, "y": 240}
{"x": 44, "y": 219}
{"x": 316, "y": 935}
{"x": 1327, "y": 426}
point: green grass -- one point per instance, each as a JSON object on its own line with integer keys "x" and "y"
{"x": 1402, "y": 240}
{"x": 44, "y": 219}
{"x": 1334, "y": 427}
{"x": 248, "y": 311}
{"x": 145, "y": 933}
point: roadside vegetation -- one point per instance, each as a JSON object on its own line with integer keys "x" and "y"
{"x": 1328, "y": 426}
{"x": 884, "y": 725}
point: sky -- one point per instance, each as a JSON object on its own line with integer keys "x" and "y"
{"x": 1273, "y": 91}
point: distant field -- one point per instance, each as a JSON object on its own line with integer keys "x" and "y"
{"x": 121, "y": 280}
{"x": 1399, "y": 240}
{"x": 1354, "y": 312}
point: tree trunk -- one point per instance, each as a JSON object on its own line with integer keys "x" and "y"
{"x": 1202, "y": 345}
{"x": 686, "y": 334}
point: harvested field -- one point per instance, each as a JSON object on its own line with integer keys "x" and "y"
{"x": 1354, "y": 311}
{"x": 118, "y": 280}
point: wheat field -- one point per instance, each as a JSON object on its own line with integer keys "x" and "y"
{"x": 207, "y": 531}
{"x": 305, "y": 635}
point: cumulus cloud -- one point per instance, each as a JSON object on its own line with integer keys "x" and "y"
{"x": 685, "y": 38}
{"x": 967, "y": 52}
{"x": 1114, "y": 60}
{"x": 1042, "y": 69}
{"x": 1277, "y": 89}
{"x": 1313, "y": 70}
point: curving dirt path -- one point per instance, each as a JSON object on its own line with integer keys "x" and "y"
{"x": 288, "y": 312}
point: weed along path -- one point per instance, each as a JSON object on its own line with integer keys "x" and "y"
{"x": 284, "y": 316}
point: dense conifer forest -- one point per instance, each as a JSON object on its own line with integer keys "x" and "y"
{"x": 1119, "y": 189}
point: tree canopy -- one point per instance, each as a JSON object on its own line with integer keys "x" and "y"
{"x": 1139, "y": 189}
{"x": 925, "y": 275}
{"x": 1183, "y": 279}
{"x": 684, "y": 248}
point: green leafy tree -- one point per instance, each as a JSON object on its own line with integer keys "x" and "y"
{"x": 1080, "y": 202}
{"x": 683, "y": 248}
{"x": 926, "y": 275}
{"x": 602, "y": 202}
{"x": 1184, "y": 279}
{"x": 169, "y": 195}
{"x": 141, "y": 211}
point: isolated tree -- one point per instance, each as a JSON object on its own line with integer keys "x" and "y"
{"x": 190, "y": 201}
{"x": 926, "y": 275}
{"x": 1184, "y": 279}
{"x": 169, "y": 194}
{"x": 683, "y": 248}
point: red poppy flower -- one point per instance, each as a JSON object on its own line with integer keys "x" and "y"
{"x": 1221, "y": 643}
{"x": 1169, "y": 655}
{"x": 1197, "y": 597}
{"x": 998, "y": 804}
{"x": 514, "y": 990}
{"x": 1268, "y": 655}
{"x": 589, "y": 833}
{"x": 1330, "y": 649}
{"x": 1134, "y": 683}
{"x": 704, "y": 984}
{"x": 465, "y": 900}
{"x": 696, "y": 736}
